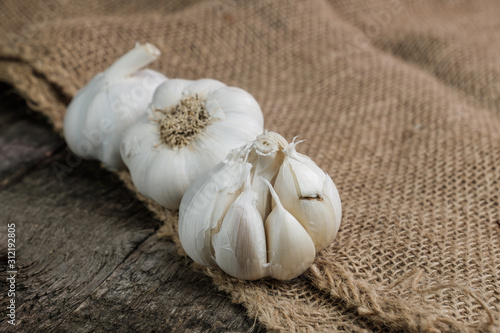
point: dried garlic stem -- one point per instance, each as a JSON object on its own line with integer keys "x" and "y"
{"x": 132, "y": 61}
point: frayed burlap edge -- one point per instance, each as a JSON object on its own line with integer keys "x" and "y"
{"x": 379, "y": 306}
{"x": 376, "y": 304}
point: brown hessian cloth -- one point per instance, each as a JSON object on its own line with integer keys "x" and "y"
{"x": 399, "y": 102}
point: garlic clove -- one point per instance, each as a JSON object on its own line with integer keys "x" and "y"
{"x": 290, "y": 248}
{"x": 205, "y": 204}
{"x": 240, "y": 240}
{"x": 301, "y": 186}
{"x": 331, "y": 192}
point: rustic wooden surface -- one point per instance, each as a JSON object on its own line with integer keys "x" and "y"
{"x": 88, "y": 257}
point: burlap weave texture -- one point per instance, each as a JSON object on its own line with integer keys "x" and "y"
{"x": 398, "y": 100}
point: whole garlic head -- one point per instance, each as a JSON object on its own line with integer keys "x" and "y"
{"x": 109, "y": 104}
{"x": 190, "y": 126}
{"x": 266, "y": 210}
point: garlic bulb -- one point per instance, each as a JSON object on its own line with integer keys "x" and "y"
{"x": 109, "y": 104}
{"x": 189, "y": 127}
{"x": 264, "y": 211}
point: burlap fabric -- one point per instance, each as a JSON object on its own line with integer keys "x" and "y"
{"x": 398, "y": 100}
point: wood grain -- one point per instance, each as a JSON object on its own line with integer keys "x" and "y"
{"x": 88, "y": 256}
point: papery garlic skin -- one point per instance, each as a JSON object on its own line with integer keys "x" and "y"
{"x": 223, "y": 212}
{"x": 239, "y": 240}
{"x": 109, "y": 104}
{"x": 266, "y": 159}
{"x": 162, "y": 160}
{"x": 205, "y": 205}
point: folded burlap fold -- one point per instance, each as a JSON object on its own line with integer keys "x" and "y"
{"x": 399, "y": 101}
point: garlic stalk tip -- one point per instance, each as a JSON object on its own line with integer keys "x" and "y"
{"x": 132, "y": 61}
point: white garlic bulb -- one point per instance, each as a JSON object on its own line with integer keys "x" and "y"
{"x": 109, "y": 104}
{"x": 189, "y": 127}
{"x": 264, "y": 211}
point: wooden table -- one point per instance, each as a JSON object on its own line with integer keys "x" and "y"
{"x": 87, "y": 253}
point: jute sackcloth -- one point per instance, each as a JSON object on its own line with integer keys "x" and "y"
{"x": 399, "y": 102}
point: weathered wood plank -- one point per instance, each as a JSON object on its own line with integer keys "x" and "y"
{"x": 155, "y": 289}
{"x": 70, "y": 237}
{"x": 88, "y": 257}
